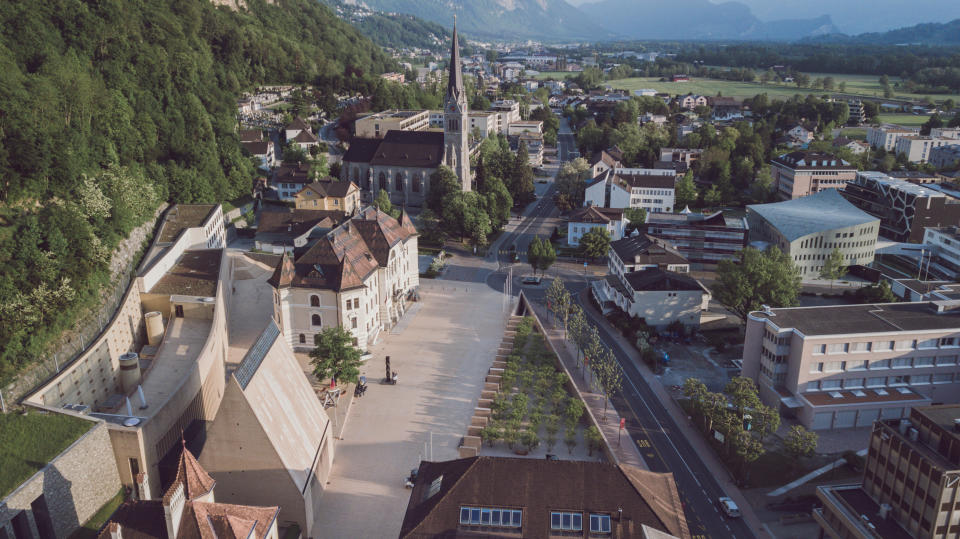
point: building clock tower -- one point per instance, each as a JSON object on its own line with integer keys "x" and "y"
{"x": 456, "y": 123}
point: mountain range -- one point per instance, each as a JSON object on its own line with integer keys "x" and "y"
{"x": 606, "y": 19}
{"x": 933, "y": 33}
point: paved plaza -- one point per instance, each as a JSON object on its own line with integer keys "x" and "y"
{"x": 442, "y": 351}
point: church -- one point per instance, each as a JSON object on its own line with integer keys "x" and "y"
{"x": 402, "y": 161}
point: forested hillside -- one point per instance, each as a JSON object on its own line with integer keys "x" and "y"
{"x": 109, "y": 106}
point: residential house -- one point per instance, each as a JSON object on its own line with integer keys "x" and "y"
{"x": 602, "y": 161}
{"x": 189, "y": 509}
{"x": 658, "y": 297}
{"x": 284, "y": 230}
{"x": 802, "y": 173}
{"x": 642, "y": 251}
{"x": 808, "y": 229}
{"x": 843, "y": 366}
{"x": 329, "y": 194}
{"x": 857, "y": 147}
{"x": 534, "y": 144}
{"x": 657, "y": 119}
{"x": 264, "y": 151}
{"x": 800, "y": 133}
{"x": 571, "y": 498}
{"x": 290, "y": 178}
{"x": 582, "y": 220}
{"x": 691, "y": 101}
{"x": 358, "y": 277}
{"x": 904, "y": 208}
{"x": 300, "y": 133}
{"x": 702, "y": 239}
{"x": 909, "y": 481}
{"x": 650, "y": 189}
{"x": 687, "y": 156}
{"x": 725, "y": 108}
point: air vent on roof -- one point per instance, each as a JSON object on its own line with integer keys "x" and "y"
{"x": 859, "y": 393}
{"x": 836, "y": 395}
{"x": 881, "y": 392}
{"x": 904, "y": 391}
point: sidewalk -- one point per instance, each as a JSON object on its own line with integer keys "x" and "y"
{"x": 693, "y": 436}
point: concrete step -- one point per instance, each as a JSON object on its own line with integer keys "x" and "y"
{"x": 479, "y": 421}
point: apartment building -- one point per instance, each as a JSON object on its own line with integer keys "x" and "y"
{"x": 508, "y": 112}
{"x": 810, "y": 228}
{"x": 945, "y": 155}
{"x": 377, "y": 124}
{"x": 904, "y": 208}
{"x": 650, "y": 189}
{"x": 944, "y": 245}
{"x": 583, "y": 220}
{"x": 847, "y": 366}
{"x": 702, "y": 239}
{"x": 885, "y": 136}
{"x": 910, "y": 482}
{"x": 917, "y": 149}
{"x": 483, "y": 120}
{"x": 803, "y": 173}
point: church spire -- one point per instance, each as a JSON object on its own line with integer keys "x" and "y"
{"x": 455, "y": 82}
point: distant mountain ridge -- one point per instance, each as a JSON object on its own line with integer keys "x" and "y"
{"x": 504, "y": 19}
{"x": 398, "y": 30}
{"x": 934, "y": 33}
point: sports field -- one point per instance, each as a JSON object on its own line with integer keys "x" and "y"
{"x": 906, "y": 120}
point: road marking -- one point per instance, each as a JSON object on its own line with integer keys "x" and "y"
{"x": 643, "y": 443}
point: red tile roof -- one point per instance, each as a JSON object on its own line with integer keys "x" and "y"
{"x": 197, "y": 482}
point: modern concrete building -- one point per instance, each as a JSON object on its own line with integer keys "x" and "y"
{"x": 945, "y": 155}
{"x": 885, "y": 136}
{"x": 483, "y": 120}
{"x": 508, "y": 112}
{"x": 377, "y": 124}
{"x": 944, "y": 245}
{"x": 158, "y": 367}
{"x": 480, "y": 496}
{"x": 650, "y": 189}
{"x": 517, "y": 128}
{"x": 918, "y": 149}
{"x": 848, "y": 365}
{"x": 910, "y": 482}
{"x": 271, "y": 432}
{"x": 803, "y": 173}
{"x": 810, "y": 228}
{"x": 582, "y": 220}
{"x": 702, "y": 239}
{"x": 358, "y": 277}
{"x": 904, "y": 208}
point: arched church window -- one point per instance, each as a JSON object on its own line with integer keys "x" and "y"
{"x": 398, "y": 182}
{"x": 382, "y": 180}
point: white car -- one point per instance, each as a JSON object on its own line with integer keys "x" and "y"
{"x": 729, "y": 507}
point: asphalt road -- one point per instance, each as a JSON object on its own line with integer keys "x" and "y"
{"x": 662, "y": 443}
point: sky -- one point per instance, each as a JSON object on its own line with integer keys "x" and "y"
{"x": 850, "y": 16}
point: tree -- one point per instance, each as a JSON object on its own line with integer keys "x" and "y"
{"x": 571, "y": 180}
{"x": 609, "y": 376}
{"x": 842, "y": 86}
{"x": 319, "y": 167}
{"x": 382, "y": 201}
{"x": 558, "y": 300}
{"x": 335, "y": 356}
{"x": 534, "y": 250}
{"x": 577, "y": 329}
{"x": 595, "y": 243}
{"x": 761, "y": 190}
{"x": 594, "y": 439}
{"x": 685, "y": 191}
{"x": 636, "y": 216}
{"x": 520, "y": 184}
{"x": 833, "y": 267}
{"x": 757, "y": 279}
{"x": 876, "y": 293}
{"x": 547, "y": 256}
{"x": 713, "y": 197}
{"x": 573, "y": 412}
{"x": 800, "y": 442}
{"x": 766, "y": 420}
{"x": 743, "y": 394}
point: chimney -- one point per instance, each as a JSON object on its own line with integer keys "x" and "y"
{"x": 142, "y": 486}
{"x": 115, "y": 531}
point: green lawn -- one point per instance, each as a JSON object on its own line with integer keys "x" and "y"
{"x": 29, "y": 442}
{"x": 906, "y": 120}
{"x": 559, "y": 75}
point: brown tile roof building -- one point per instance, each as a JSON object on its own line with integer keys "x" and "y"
{"x": 195, "y": 274}
{"x": 537, "y": 488}
{"x": 292, "y": 173}
{"x": 330, "y": 187}
{"x": 298, "y": 123}
{"x": 250, "y": 135}
{"x": 196, "y": 481}
{"x": 347, "y": 255}
{"x": 293, "y": 223}
{"x": 423, "y": 149}
{"x": 594, "y": 214}
{"x": 646, "y": 250}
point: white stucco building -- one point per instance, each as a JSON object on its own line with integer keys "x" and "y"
{"x": 650, "y": 189}
{"x": 585, "y": 219}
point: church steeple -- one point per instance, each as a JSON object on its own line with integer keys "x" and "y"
{"x": 455, "y": 82}
{"x": 456, "y": 126}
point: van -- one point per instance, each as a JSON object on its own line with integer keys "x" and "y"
{"x": 729, "y": 507}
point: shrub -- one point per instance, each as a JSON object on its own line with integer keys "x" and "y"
{"x": 518, "y": 408}
{"x": 511, "y": 433}
{"x": 570, "y": 439}
{"x": 574, "y": 412}
{"x": 491, "y": 434}
{"x": 594, "y": 439}
{"x": 529, "y": 439}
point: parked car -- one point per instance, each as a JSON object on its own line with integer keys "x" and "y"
{"x": 729, "y": 507}
{"x": 531, "y": 279}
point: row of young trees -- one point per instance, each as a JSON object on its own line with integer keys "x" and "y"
{"x": 592, "y": 353}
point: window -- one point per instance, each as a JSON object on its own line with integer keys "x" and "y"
{"x": 920, "y": 379}
{"x": 860, "y": 347}
{"x": 946, "y": 360}
{"x": 434, "y": 487}
{"x": 566, "y": 521}
{"x": 314, "y": 301}
{"x": 858, "y": 365}
{"x": 852, "y": 383}
{"x": 900, "y": 362}
{"x": 927, "y": 343}
{"x": 816, "y": 367}
{"x": 353, "y": 323}
{"x": 837, "y": 348}
{"x": 416, "y": 183}
{"x": 923, "y": 362}
{"x": 828, "y": 385}
{"x": 948, "y": 341}
{"x": 882, "y": 345}
{"x": 944, "y": 378}
{"x": 488, "y": 516}
{"x": 906, "y": 345}
{"x": 877, "y": 381}
{"x": 398, "y": 182}
{"x": 834, "y": 366}
{"x": 356, "y": 303}
{"x": 382, "y": 180}
{"x": 813, "y": 386}
{"x": 599, "y": 523}
{"x": 303, "y": 339}
{"x": 315, "y": 320}
{"x": 881, "y": 364}
{"x": 820, "y": 349}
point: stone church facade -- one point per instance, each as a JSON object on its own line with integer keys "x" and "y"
{"x": 402, "y": 161}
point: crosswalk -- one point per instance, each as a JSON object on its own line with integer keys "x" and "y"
{"x": 508, "y": 251}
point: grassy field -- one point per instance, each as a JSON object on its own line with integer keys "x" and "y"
{"x": 30, "y": 441}
{"x": 906, "y": 120}
{"x": 866, "y": 85}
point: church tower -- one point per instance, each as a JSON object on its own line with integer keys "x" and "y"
{"x": 455, "y": 120}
